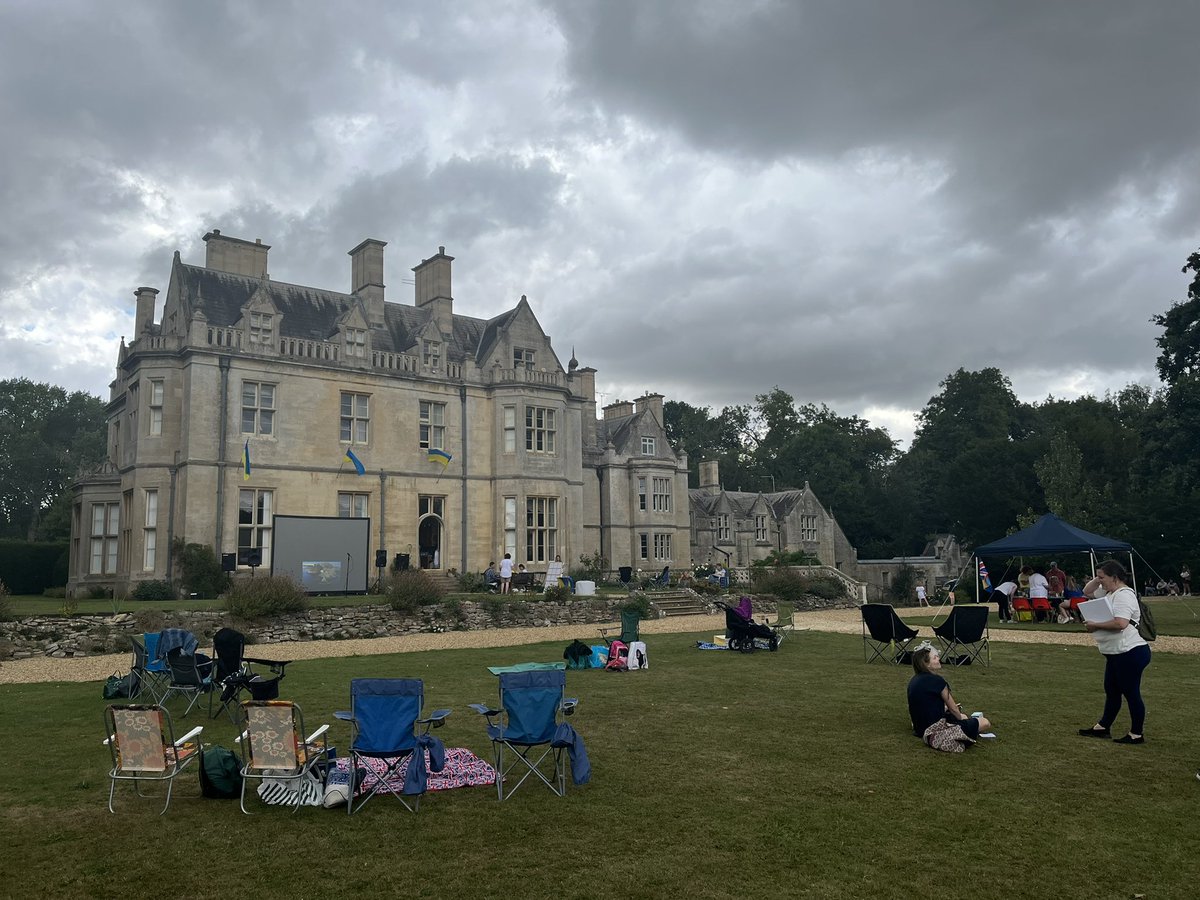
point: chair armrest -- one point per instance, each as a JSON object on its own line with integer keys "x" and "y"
{"x": 191, "y": 734}
{"x": 437, "y": 718}
{"x": 344, "y": 714}
{"x": 568, "y": 706}
{"x": 316, "y": 734}
{"x": 483, "y": 710}
{"x": 242, "y": 738}
{"x": 108, "y": 740}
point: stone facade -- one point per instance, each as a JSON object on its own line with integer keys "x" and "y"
{"x": 940, "y": 561}
{"x": 298, "y": 376}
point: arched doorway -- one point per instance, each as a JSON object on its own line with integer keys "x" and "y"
{"x": 429, "y": 540}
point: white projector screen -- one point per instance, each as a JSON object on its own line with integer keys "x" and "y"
{"x": 325, "y": 554}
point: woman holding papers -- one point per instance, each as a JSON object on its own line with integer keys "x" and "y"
{"x": 1113, "y": 625}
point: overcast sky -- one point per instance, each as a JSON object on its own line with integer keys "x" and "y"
{"x": 706, "y": 199}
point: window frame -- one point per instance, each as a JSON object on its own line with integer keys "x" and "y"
{"x": 356, "y": 423}
{"x": 661, "y": 494}
{"x": 356, "y": 343}
{"x": 157, "y": 393}
{"x": 524, "y": 358}
{"x": 541, "y": 430}
{"x": 431, "y": 429}
{"x": 150, "y": 529}
{"x": 262, "y": 416}
{"x": 261, "y": 523}
{"x": 353, "y": 499}
{"x": 541, "y": 528}
{"x": 260, "y": 329}
{"x": 102, "y": 544}
{"x": 649, "y": 446}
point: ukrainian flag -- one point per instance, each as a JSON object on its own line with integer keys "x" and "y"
{"x": 440, "y": 456}
{"x": 358, "y": 466}
{"x": 246, "y": 461}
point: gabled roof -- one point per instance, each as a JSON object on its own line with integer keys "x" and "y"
{"x": 780, "y": 503}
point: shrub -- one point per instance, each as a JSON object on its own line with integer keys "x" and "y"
{"x": 264, "y": 596}
{"x": 494, "y": 606}
{"x": 784, "y": 558}
{"x": 558, "y": 593}
{"x": 638, "y": 603}
{"x": 96, "y": 593}
{"x": 29, "y": 567}
{"x": 590, "y": 568}
{"x": 153, "y": 590}
{"x": 5, "y": 602}
{"x": 824, "y": 586}
{"x": 55, "y": 593}
{"x": 200, "y": 570}
{"x": 780, "y": 581}
{"x": 472, "y": 583}
{"x": 411, "y": 589}
{"x": 903, "y": 586}
{"x": 455, "y": 612}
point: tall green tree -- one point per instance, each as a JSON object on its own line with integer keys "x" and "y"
{"x": 46, "y": 437}
{"x": 725, "y": 437}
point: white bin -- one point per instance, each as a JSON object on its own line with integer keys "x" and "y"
{"x": 585, "y": 588}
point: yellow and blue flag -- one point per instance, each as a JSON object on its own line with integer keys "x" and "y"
{"x": 358, "y": 466}
{"x": 246, "y": 461}
{"x": 440, "y": 456}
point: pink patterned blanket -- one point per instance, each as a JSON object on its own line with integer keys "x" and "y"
{"x": 463, "y": 769}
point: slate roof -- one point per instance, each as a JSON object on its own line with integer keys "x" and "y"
{"x": 781, "y": 503}
{"x": 312, "y": 313}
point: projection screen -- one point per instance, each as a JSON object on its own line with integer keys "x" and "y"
{"x": 325, "y": 554}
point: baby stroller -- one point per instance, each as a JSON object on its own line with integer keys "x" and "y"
{"x": 745, "y": 634}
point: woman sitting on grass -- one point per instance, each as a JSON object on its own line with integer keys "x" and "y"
{"x": 930, "y": 701}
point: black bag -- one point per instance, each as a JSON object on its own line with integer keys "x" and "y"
{"x": 220, "y": 773}
{"x": 578, "y": 655}
{"x": 119, "y": 686}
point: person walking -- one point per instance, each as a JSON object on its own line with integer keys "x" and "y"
{"x": 1126, "y": 653}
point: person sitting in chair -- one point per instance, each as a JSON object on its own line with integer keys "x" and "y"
{"x": 490, "y": 579}
{"x": 719, "y": 575}
{"x": 930, "y": 700}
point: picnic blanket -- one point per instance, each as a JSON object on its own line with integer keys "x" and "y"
{"x": 526, "y": 667}
{"x": 705, "y": 645}
{"x": 463, "y": 769}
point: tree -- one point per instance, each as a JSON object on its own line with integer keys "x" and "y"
{"x": 1179, "y": 344}
{"x": 47, "y": 437}
{"x": 724, "y": 438}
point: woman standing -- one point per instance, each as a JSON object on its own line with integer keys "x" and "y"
{"x": 1126, "y": 654}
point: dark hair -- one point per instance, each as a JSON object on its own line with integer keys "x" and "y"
{"x": 1026, "y": 570}
{"x": 920, "y": 660}
{"x": 1114, "y": 569}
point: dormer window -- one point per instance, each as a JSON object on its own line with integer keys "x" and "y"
{"x": 522, "y": 359}
{"x": 431, "y": 354}
{"x": 262, "y": 326}
{"x": 356, "y": 343}
{"x": 648, "y": 446}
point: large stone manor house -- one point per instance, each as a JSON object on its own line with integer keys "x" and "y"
{"x": 297, "y": 376}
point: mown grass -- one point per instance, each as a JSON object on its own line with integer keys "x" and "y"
{"x": 715, "y": 775}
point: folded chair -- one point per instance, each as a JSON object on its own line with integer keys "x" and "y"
{"x": 965, "y": 630}
{"x": 275, "y": 746}
{"x": 234, "y": 674}
{"x": 528, "y": 727}
{"x": 884, "y": 633}
{"x": 190, "y": 676}
{"x": 142, "y": 742}
{"x": 385, "y": 716}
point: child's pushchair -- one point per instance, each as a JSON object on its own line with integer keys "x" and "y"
{"x": 745, "y": 634}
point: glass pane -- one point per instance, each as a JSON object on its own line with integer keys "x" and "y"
{"x": 345, "y": 432}
{"x": 344, "y": 505}
{"x": 156, "y": 393}
{"x": 247, "y": 421}
{"x": 245, "y": 538}
{"x": 98, "y": 518}
{"x": 510, "y": 512}
{"x": 245, "y": 507}
{"x": 425, "y": 410}
{"x": 439, "y": 414}
{"x": 510, "y": 416}
{"x": 510, "y": 441}
{"x": 361, "y": 405}
{"x": 267, "y": 396}
{"x": 360, "y": 431}
{"x": 114, "y": 518}
{"x": 264, "y": 508}
{"x": 249, "y": 393}
{"x": 347, "y": 404}
{"x": 360, "y": 506}
{"x": 267, "y": 420}
{"x": 151, "y": 508}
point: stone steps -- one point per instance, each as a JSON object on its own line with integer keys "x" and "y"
{"x": 679, "y": 603}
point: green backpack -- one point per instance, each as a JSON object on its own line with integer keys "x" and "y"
{"x": 1145, "y": 623}
{"x": 220, "y": 773}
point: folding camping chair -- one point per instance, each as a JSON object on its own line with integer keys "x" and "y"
{"x": 385, "y": 714}
{"x": 664, "y": 578}
{"x": 884, "y": 633}
{"x": 784, "y": 612}
{"x": 151, "y": 675}
{"x": 625, "y": 576}
{"x": 190, "y": 676}
{"x": 276, "y": 748}
{"x": 631, "y": 623}
{"x": 141, "y": 739}
{"x": 233, "y": 672}
{"x": 533, "y": 706}
{"x": 966, "y": 628}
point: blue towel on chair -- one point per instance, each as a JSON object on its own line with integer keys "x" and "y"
{"x": 416, "y": 776}
{"x": 581, "y": 768}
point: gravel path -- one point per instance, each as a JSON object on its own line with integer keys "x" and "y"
{"x": 839, "y": 621}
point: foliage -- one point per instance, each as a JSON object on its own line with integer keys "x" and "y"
{"x": 783, "y": 558}
{"x": 265, "y": 596}
{"x": 638, "y": 603}
{"x": 411, "y": 589}
{"x": 902, "y": 590}
{"x": 472, "y": 583}
{"x": 5, "y": 601}
{"x": 494, "y": 606}
{"x": 31, "y": 567}
{"x": 824, "y": 586}
{"x": 47, "y": 437}
{"x": 558, "y": 593}
{"x": 199, "y": 569}
{"x": 454, "y": 610}
{"x": 69, "y": 606}
{"x": 153, "y": 590}
{"x": 590, "y": 568}
{"x": 788, "y": 584}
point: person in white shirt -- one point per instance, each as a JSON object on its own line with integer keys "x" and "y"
{"x": 506, "y": 574}
{"x": 1126, "y": 653}
{"x": 1003, "y": 596}
{"x": 1039, "y": 589}
{"x": 922, "y": 598}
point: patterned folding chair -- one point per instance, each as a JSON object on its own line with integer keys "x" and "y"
{"x": 141, "y": 739}
{"x": 385, "y": 716}
{"x": 528, "y": 728}
{"x": 275, "y": 746}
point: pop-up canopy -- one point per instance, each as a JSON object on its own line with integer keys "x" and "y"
{"x": 1050, "y": 534}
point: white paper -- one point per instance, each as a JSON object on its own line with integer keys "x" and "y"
{"x": 1098, "y": 610}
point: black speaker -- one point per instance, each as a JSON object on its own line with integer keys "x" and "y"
{"x": 380, "y": 559}
{"x": 254, "y": 557}
{"x": 400, "y": 563}
{"x": 228, "y": 562}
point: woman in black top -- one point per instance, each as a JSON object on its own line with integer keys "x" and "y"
{"x": 929, "y": 697}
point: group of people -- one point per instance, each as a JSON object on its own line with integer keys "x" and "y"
{"x": 1052, "y": 585}
{"x": 503, "y": 579}
{"x": 938, "y": 719}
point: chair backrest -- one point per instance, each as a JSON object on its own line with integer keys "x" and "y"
{"x": 139, "y": 737}
{"x": 783, "y": 612}
{"x": 625, "y": 574}
{"x": 153, "y": 662}
{"x": 184, "y": 669}
{"x": 631, "y": 621}
{"x": 665, "y": 577}
{"x": 229, "y": 647}
{"x": 385, "y": 712}
{"x": 522, "y": 579}
{"x": 882, "y": 622}
{"x": 531, "y": 702}
{"x": 175, "y": 639}
{"x": 1021, "y": 603}
{"x": 275, "y": 731}
{"x": 965, "y": 623}
{"x": 139, "y": 653}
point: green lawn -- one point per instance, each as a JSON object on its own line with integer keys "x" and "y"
{"x": 1173, "y": 616}
{"x": 715, "y": 775}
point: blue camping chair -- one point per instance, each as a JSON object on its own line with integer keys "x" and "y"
{"x": 385, "y": 714}
{"x": 532, "y": 708}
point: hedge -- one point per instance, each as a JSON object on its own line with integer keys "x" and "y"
{"x": 29, "y": 568}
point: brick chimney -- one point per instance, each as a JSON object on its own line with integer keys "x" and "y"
{"x": 366, "y": 278}
{"x": 143, "y": 316}
{"x": 653, "y": 403}
{"x": 709, "y": 477}
{"x": 229, "y": 254}
{"x": 432, "y": 288}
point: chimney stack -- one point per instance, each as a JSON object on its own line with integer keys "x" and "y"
{"x": 432, "y": 288}
{"x": 366, "y": 278}
{"x": 234, "y": 255}
{"x": 144, "y": 311}
{"x": 619, "y": 410}
{"x": 709, "y": 475}
{"x": 654, "y": 403}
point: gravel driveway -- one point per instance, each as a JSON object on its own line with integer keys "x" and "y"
{"x": 839, "y": 621}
